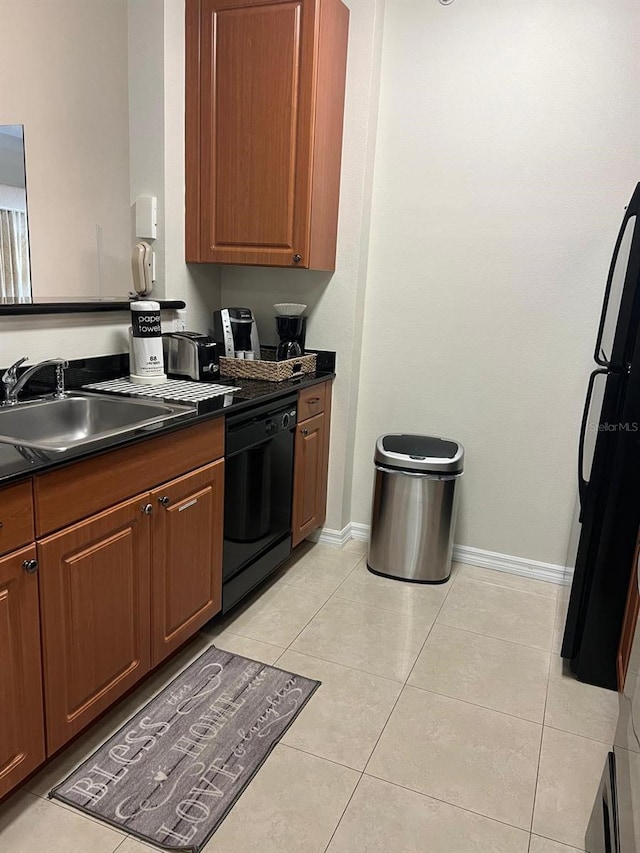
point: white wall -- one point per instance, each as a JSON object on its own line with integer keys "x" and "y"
{"x": 507, "y": 148}
{"x": 335, "y": 300}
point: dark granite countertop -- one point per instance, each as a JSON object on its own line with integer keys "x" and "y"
{"x": 18, "y": 463}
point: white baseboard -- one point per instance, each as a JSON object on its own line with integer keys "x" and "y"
{"x": 337, "y": 538}
{"x": 550, "y": 572}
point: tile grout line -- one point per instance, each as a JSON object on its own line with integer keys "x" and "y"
{"x": 421, "y": 649}
{"x": 460, "y": 576}
{"x": 396, "y": 681}
{"x": 606, "y": 743}
{"x": 385, "y": 723}
{"x": 373, "y": 606}
{"x": 493, "y": 637}
{"x": 299, "y": 585}
{"x": 288, "y": 648}
{"x": 505, "y": 586}
{"x": 475, "y": 705}
{"x": 344, "y": 811}
{"x": 306, "y": 625}
{"x": 497, "y": 639}
{"x": 544, "y": 714}
{"x": 69, "y": 808}
{"x": 568, "y": 846}
{"x": 399, "y": 681}
{"x": 320, "y": 757}
{"x": 447, "y": 803}
{"x": 404, "y": 685}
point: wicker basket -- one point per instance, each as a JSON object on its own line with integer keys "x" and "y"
{"x": 268, "y": 370}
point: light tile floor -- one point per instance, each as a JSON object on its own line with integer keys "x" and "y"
{"x": 445, "y": 721}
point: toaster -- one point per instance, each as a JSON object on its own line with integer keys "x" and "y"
{"x": 191, "y": 355}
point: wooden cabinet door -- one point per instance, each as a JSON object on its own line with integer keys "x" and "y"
{"x": 94, "y": 599}
{"x": 308, "y": 475}
{"x": 256, "y": 63}
{"x": 21, "y": 714}
{"x": 186, "y": 556}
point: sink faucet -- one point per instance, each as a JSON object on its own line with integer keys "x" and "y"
{"x": 12, "y": 385}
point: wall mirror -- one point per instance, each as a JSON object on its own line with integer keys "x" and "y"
{"x": 17, "y": 295}
{"x": 83, "y": 121}
{"x": 15, "y": 273}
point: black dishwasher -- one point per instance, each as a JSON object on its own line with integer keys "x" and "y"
{"x": 258, "y": 486}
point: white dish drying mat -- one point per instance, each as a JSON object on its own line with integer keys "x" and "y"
{"x": 172, "y": 389}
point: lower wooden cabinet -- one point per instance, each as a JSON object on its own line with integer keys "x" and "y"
{"x": 311, "y": 463}
{"x": 98, "y": 601}
{"x": 123, "y": 589}
{"x": 94, "y": 598}
{"x": 307, "y": 477}
{"x": 21, "y": 721}
{"x": 186, "y": 576}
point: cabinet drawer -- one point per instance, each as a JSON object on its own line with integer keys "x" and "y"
{"x": 70, "y": 494}
{"x": 312, "y": 401}
{"x": 16, "y": 517}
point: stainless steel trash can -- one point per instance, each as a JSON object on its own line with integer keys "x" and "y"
{"x": 415, "y": 500}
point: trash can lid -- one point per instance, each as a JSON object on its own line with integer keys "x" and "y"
{"x": 423, "y": 453}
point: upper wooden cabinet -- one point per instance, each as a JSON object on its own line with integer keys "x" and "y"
{"x": 264, "y": 107}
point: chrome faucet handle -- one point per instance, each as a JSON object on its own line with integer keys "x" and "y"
{"x": 10, "y": 376}
{"x": 60, "y": 369}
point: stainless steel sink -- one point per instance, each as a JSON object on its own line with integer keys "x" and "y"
{"x": 61, "y": 424}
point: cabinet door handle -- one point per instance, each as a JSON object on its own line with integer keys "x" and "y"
{"x": 30, "y": 566}
{"x": 147, "y": 509}
{"x": 313, "y": 400}
{"x": 165, "y": 500}
{"x": 304, "y": 431}
{"x": 296, "y": 258}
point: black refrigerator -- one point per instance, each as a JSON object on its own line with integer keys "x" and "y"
{"x": 609, "y": 470}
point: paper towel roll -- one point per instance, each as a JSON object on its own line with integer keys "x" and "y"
{"x": 145, "y": 356}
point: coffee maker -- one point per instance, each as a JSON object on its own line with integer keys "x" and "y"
{"x": 291, "y": 331}
{"x": 235, "y": 332}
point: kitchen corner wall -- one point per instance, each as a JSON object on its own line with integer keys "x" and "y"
{"x": 507, "y": 148}
{"x": 335, "y": 300}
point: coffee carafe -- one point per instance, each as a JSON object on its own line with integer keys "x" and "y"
{"x": 291, "y": 331}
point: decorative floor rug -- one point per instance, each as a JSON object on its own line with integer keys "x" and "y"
{"x": 170, "y": 775}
